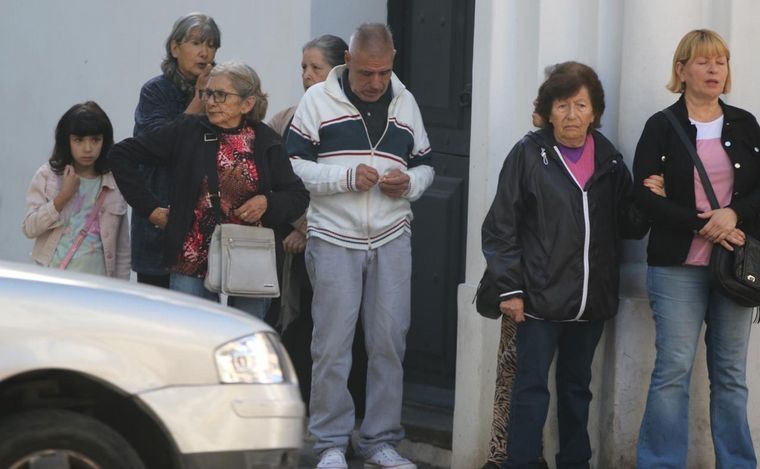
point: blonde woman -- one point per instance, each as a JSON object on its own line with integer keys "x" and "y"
{"x": 684, "y": 231}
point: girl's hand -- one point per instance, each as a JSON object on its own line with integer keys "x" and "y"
{"x": 656, "y": 184}
{"x": 253, "y": 209}
{"x": 70, "y": 184}
{"x": 69, "y": 187}
{"x": 720, "y": 223}
{"x": 159, "y": 217}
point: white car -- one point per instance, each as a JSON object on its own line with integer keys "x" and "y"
{"x": 98, "y": 373}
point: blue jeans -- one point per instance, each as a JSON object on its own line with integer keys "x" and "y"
{"x": 681, "y": 299}
{"x": 537, "y": 342}
{"x": 257, "y": 307}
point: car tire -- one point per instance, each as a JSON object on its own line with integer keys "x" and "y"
{"x": 61, "y": 435}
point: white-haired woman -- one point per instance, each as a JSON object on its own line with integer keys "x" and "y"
{"x": 256, "y": 181}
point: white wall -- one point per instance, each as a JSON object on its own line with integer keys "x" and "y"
{"x": 630, "y": 44}
{"x": 341, "y": 17}
{"x": 56, "y": 54}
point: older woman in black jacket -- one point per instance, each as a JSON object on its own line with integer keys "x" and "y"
{"x": 552, "y": 244}
{"x": 256, "y": 182}
{"x": 684, "y": 230}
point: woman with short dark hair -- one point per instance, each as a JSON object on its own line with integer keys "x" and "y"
{"x": 552, "y": 245}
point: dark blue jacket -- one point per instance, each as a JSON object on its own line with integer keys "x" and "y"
{"x": 160, "y": 103}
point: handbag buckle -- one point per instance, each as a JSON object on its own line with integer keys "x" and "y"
{"x": 751, "y": 278}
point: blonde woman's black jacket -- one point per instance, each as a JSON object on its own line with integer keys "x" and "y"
{"x": 674, "y": 218}
{"x": 553, "y": 243}
{"x": 187, "y": 145}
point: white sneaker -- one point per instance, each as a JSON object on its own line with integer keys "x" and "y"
{"x": 387, "y": 458}
{"x": 332, "y": 458}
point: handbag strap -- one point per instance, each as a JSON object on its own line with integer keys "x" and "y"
{"x": 85, "y": 229}
{"x": 706, "y": 185}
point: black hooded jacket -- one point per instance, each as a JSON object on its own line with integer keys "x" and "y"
{"x": 553, "y": 243}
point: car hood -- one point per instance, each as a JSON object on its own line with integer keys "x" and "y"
{"x": 134, "y": 336}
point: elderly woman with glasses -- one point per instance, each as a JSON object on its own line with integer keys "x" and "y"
{"x": 257, "y": 185}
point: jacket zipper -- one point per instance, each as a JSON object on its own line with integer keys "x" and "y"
{"x": 345, "y": 99}
{"x": 543, "y": 157}
{"x": 372, "y": 149}
{"x": 586, "y": 236}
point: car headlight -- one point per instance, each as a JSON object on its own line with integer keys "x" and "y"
{"x": 256, "y": 358}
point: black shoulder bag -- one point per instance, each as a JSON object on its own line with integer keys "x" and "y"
{"x": 736, "y": 274}
{"x": 487, "y": 298}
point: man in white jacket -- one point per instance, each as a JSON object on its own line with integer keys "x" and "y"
{"x": 358, "y": 142}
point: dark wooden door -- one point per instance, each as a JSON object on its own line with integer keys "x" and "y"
{"x": 434, "y": 60}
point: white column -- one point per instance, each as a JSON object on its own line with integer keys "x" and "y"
{"x": 504, "y": 75}
{"x": 630, "y": 44}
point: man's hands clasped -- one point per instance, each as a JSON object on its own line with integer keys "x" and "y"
{"x": 394, "y": 183}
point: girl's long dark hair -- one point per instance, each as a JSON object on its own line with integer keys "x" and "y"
{"x": 82, "y": 120}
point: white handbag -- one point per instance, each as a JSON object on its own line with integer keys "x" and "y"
{"x": 241, "y": 258}
{"x": 241, "y": 262}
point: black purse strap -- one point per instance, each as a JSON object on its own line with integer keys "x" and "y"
{"x": 706, "y": 185}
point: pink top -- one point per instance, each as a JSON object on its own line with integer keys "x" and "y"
{"x": 582, "y": 167}
{"x": 721, "y": 173}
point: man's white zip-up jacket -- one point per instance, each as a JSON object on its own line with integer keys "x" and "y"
{"x": 328, "y": 140}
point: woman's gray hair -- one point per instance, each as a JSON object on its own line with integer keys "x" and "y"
{"x": 209, "y": 32}
{"x": 333, "y": 48}
{"x": 246, "y": 82}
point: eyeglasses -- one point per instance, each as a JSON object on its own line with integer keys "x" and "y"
{"x": 219, "y": 95}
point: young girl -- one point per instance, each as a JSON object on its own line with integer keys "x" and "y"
{"x": 74, "y": 210}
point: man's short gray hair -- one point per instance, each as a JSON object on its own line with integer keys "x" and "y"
{"x": 373, "y": 38}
